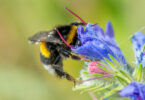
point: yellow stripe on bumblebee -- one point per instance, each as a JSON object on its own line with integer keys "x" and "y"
{"x": 71, "y": 34}
{"x": 43, "y": 49}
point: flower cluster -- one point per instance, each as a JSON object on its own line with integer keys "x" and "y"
{"x": 108, "y": 73}
{"x": 135, "y": 90}
{"x": 138, "y": 40}
{"x": 97, "y": 44}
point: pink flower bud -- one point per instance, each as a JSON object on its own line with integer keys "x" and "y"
{"x": 94, "y": 69}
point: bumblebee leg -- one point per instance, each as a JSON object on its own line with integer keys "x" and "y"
{"x": 75, "y": 57}
{"x": 60, "y": 73}
{"x": 68, "y": 54}
{"x": 57, "y": 60}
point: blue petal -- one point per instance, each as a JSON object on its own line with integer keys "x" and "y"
{"x": 134, "y": 91}
{"x": 109, "y": 30}
{"x": 116, "y": 50}
{"x": 94, "y": 49}
{"x": 138, "y": 40}
{"x": 80, "y": 31}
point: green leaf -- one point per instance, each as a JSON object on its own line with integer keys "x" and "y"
{"x": 125, "y": 74}
{"x": 97, "y": 75}
{"x": 103, "y": 68}
{"x": 103, "y": 88}
{"x": 114, "y": 60}
{"x": 143, "y": 48}
{"x": 110, "y": 64}
{"x": 92, "y": 88}
{"x": 81, "y": 87}
{"x": 135, "y": 72}
{"x": 143, "y": 77}
{"x": 121, "y": 81}
{"x": 111, "y": 92}
{"x": 123, "y": 77}
{"x": 139, "y": 73}
{"x": 85, "y": 72}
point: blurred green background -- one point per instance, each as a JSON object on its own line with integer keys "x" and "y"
{"x": 22, "y": 76}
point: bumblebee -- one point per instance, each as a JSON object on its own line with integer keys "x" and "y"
{"x": 53, "y": 50}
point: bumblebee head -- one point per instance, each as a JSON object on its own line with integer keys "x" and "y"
{"x": 42, "y": 39}
{"x": 44, "y": 36}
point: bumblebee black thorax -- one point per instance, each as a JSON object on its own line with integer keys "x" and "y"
{"x": 69, "y": 33}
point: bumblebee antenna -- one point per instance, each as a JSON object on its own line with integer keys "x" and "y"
{"x": 63, "y": 38}
{"x": 76, "y": 16}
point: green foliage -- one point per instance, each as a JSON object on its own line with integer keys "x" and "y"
{"x": 139, "y": 73}
{"x": 100, "y": 84}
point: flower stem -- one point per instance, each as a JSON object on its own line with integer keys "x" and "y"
{"x": 92, "y": 96}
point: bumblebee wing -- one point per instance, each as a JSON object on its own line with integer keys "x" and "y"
{"x": 45, "y": 36}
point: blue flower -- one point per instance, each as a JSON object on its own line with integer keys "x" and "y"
{"x": 135, "y": 91}
{"x": 138, "y": 40}
{"x": 97, "y": 44}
